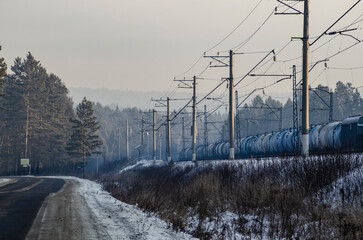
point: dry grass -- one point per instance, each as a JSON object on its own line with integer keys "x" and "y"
{"x": 288, "y": 199}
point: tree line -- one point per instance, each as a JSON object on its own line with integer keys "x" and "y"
{"x": 261, "y": 115}
{"x": 38, "y": 121}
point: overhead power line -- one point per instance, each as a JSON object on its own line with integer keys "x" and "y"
{"x": 235, "y": 27}
{"x": 239, "y": 46}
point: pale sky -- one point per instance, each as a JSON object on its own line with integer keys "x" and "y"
{"x": 143, "y": 44}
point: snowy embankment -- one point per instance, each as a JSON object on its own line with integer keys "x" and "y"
{"x": 345, "y": 189}
{"x": 143, "y": 163}
{"x": 268, "y": 198}
{"x": 121, "y": 220}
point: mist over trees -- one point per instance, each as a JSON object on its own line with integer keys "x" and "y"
{"x": 259, "y": 116}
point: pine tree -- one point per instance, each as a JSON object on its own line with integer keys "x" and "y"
{"x": 3, "y": 69}
{"x": 84, "y": 140}
{"x": 36, "y": 118}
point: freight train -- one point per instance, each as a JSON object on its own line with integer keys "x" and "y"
{"x": 334, "y": 137}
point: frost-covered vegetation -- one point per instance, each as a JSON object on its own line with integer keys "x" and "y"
{"x": 315, "y": 198}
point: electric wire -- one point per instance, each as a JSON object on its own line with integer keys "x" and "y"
{"x": 239, "y": 46}
{"x": 235, "y": 27}
{"x": 353, "y": 68}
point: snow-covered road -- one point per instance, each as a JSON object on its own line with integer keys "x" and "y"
{"x": 83, "y": 210}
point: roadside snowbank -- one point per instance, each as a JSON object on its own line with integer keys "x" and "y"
{"x": 5, "y": 181}
{"x": 123, "y": 221}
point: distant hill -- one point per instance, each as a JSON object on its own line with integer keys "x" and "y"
{"x": 120, "y": 98}
{"x": 139, "y": 99}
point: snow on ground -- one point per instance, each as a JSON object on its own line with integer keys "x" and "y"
{"x": 227, "y": 221}
{"x": 4, "y": 181}
{"x": 345, "y": 188}
{"x": 121, "y": 220}
{"x": 144, "y": 163}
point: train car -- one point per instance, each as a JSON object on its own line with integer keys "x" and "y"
{"x": 244, "y": 146}
{"x": 324, "y": 136}
{"x": 314, "y": 137}
{"x": 345, "y": 136}
{"x": 288, "y": 142}
{"x": 352, "y": 134}
{"x": 334, "y": 138}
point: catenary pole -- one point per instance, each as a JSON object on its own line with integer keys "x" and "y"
{"x": 205, "y": 132}
{"x": 183, "y": 137}
{"x": 194, "y": 143}
{"x": 238, "y": 126}
{"x": 119, "y": 143}
{"x": 160, "y": 143}
{"x": 154, "y": 134}
{"x": 280, "y": 119}
{"x": 127, "y": 140}
{"x": 331, "y": 107}
{"x": 231, "y": 107}
{"x": 168, "y": 134}
{"x": 142, "y": 136}
{"x": 305, "y": 84}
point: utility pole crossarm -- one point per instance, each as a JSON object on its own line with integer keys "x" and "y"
{"x": 316, "y": 63}
{"x": 263, "y": 59}
{"x": 270, "y": 75}
{"x": 185, "y": 83}
{"x": 159, "y": 101}
{"x": 206, "y": 96}
{"x": 290, "y": 7}
{"x": 215, "y": 58}
{"x": 271, "y": 108}
{"x": 326, "y": 31}
{"x": 320, "y": 97}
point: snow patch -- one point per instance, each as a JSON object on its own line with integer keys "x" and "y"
{"x": 5, "y": 181}
{"x": 121, "y": 220}
{"x": 144, "y": 163}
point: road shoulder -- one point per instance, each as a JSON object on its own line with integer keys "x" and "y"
{"x": 66, "y": 215}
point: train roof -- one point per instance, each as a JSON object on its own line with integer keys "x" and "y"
{"x": 351, "y": 120}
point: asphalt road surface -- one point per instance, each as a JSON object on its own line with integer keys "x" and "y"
{"x": 20, "y": 202}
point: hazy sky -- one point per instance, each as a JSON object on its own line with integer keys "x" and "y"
{"x": 143, "y": 44}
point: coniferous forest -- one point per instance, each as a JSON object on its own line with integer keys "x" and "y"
{"x": 35, "y": 122}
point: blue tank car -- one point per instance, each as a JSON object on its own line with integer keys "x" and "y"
{"x": 345, "y": 136}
